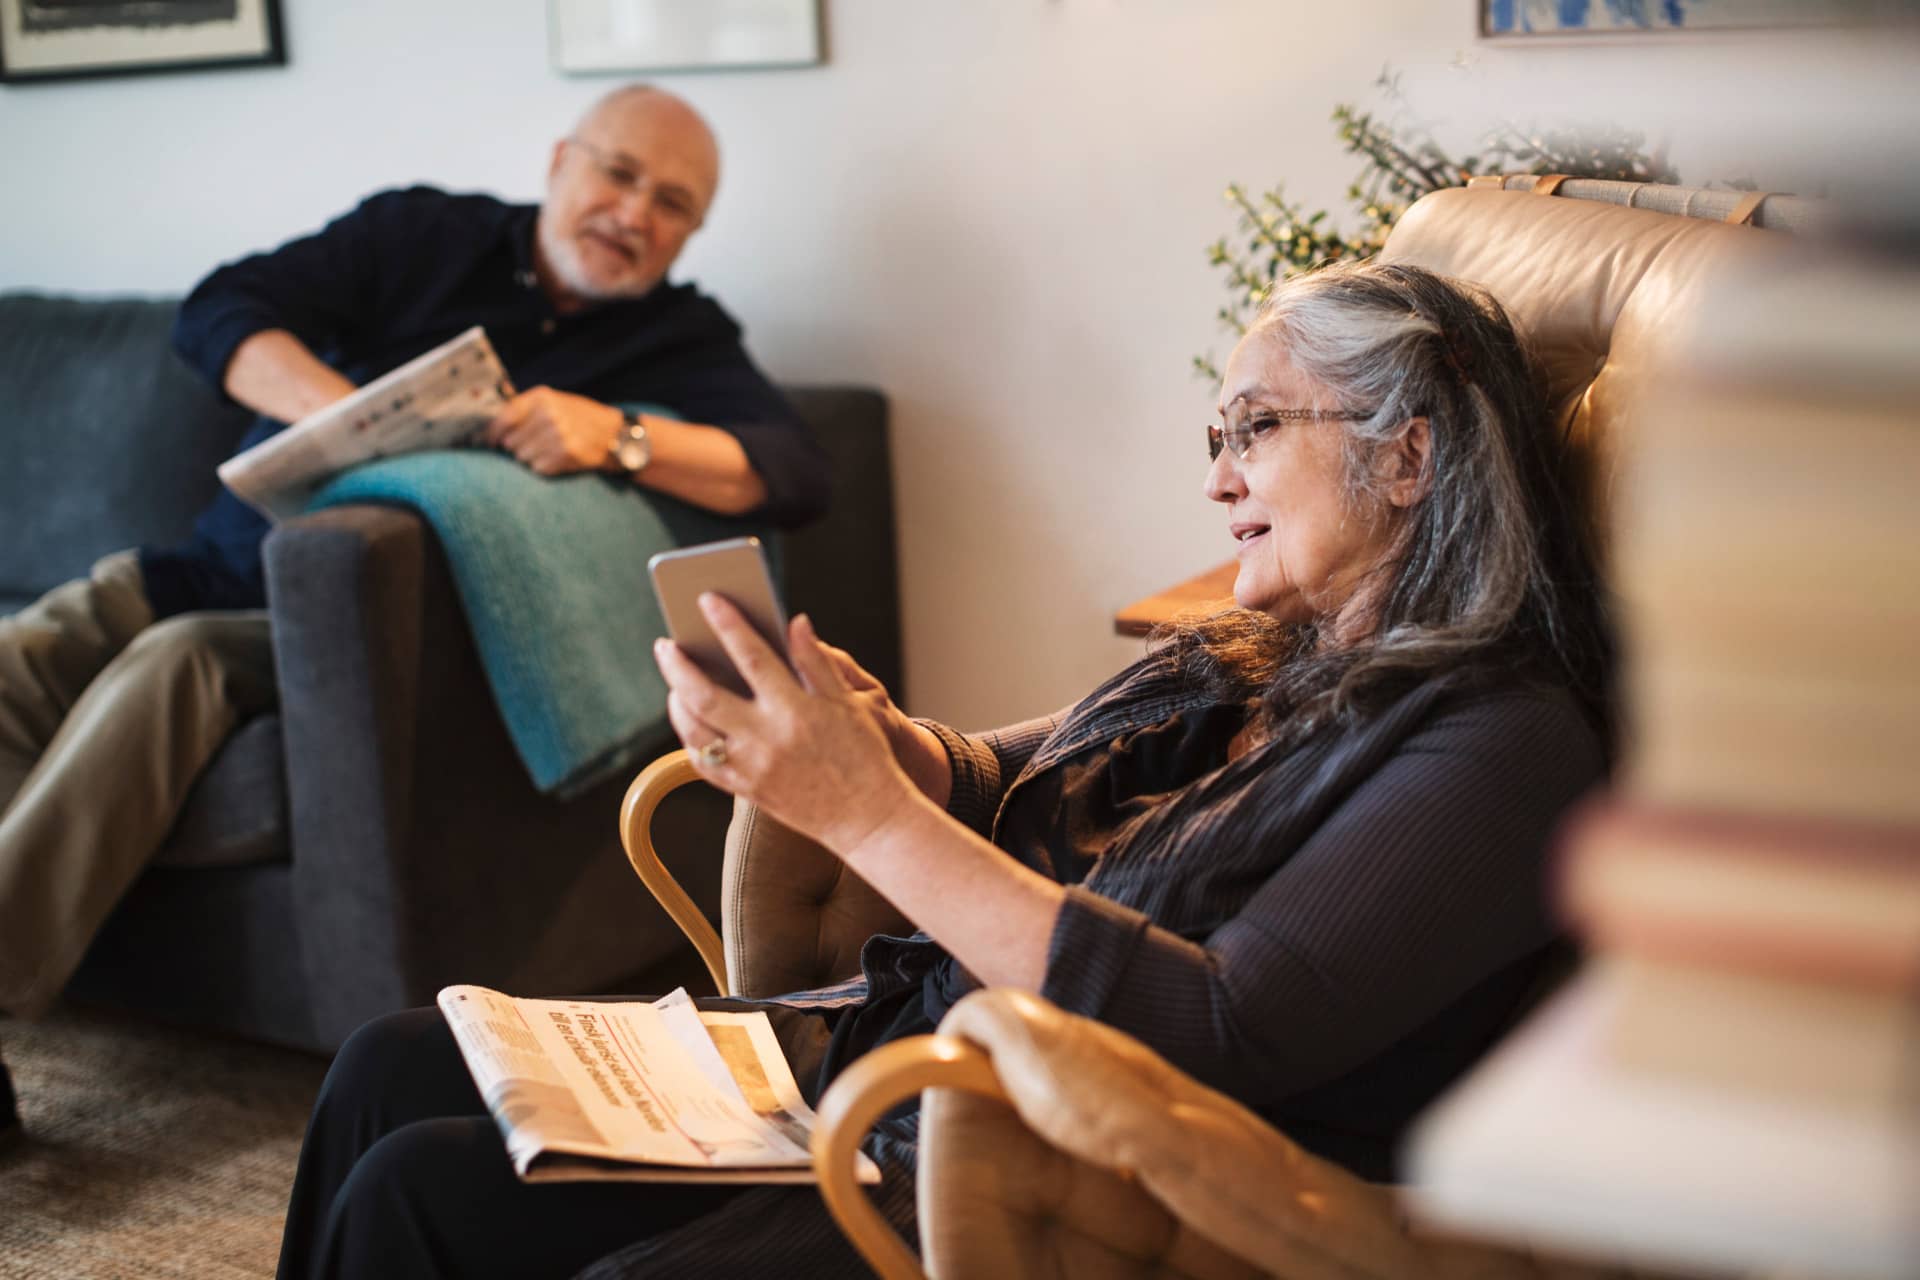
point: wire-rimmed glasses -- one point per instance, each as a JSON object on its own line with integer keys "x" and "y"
{"x": 1240, "y": 434}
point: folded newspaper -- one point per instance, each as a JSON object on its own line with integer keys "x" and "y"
{"x": 626, "y": 1091}
{"x": 440, "y": 400}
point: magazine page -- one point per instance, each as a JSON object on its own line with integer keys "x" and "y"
{"x": 439, "y": 400}
{"x": 591, "y": 1090}
{"x": 555, "y": 1081}
{"x": 739, "y": 1052}
{"x": 752, "y": 1053}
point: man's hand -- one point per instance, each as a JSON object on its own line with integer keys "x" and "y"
{"x": 554, "y": 433}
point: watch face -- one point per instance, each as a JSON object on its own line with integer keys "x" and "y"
{"x": 634, "y": 450}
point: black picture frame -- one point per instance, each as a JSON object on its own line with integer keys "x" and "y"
{"x": 44, "y": 41}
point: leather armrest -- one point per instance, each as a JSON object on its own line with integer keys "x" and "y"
{"x": 792, "y": 916}
{"x": 1053, "y": 1145}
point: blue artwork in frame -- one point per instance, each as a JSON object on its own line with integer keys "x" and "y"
{"x": 1523, "y": 18}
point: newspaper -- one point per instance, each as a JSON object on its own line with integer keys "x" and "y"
{"x": 600, "y": 1091}
{"x": 440, "y": 400}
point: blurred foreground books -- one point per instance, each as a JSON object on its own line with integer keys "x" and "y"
{"x": 1733, "y": 1081}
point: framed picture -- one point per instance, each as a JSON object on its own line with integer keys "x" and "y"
{"x": 1522, "y": 20}
{"x": 66, "y": 39}
{"x": 590, "y": 36}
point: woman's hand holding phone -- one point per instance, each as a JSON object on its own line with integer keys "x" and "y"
{"x": 917, "y": 748}
{"x": 813, "y": 752}
{"x": 721, "y": 610}
{"x": 802, "y": 744}
{"x": 735, "y": 568}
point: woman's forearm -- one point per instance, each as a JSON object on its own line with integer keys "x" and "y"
{"x": 814, "y": 748}
{"x": 994, "y": 915}
{"x": 924, "y": 757}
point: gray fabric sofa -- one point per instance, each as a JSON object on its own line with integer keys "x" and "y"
{"x": 376, "y": 838}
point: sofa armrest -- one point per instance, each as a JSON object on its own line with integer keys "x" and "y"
{"x": 842, "y": 570}
{"x": 355, "y": 604}
{"x": 422, "y": 852}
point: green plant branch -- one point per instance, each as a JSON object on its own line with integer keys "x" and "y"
{"x": 1283, "y": 239}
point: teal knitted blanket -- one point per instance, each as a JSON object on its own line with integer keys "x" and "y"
{"x": 552, "y": 574}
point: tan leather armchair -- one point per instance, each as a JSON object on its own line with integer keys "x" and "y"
{"x": 1051, "y": 1145}
{"x": 1054, "y": 1146}
{"x": 793, "y": 916}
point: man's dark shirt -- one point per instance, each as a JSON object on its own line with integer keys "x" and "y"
{"x": 406, "y": 271}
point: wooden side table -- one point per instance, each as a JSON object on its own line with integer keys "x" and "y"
{"x": 1204, "y": 592}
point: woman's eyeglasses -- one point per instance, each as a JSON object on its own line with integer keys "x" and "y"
{"x": 1239, "y": 435}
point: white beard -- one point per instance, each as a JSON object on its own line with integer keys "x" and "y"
{"x": 563, "y": 259}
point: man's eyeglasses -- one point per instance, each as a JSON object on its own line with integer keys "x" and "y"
{"x": 673, "y": 201}
{"x": 1241, "y": 434}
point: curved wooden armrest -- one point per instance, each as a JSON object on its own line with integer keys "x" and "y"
{"x": 1243, "y": 1188}
{"x": 656, "y": 782}
{"x": 865, "y": 1091}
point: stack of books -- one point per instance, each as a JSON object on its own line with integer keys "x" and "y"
{"x": 1732, "y": 1082}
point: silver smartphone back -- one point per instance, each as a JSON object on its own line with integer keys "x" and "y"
{"x": 735, "y": 568}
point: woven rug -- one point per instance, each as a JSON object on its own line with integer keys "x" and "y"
{"x": 151, "y": 1151}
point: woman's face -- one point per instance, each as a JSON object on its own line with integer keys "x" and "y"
{"x": 1303, "y": 547}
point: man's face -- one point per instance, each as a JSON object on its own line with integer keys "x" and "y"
{"x": 623, "y": 194}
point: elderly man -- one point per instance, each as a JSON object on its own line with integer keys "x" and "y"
{"x": 117, "y": 689}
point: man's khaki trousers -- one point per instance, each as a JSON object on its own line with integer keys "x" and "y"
{"x": 106, "y": 719}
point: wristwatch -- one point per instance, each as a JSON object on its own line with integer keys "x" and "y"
{"x": 631, "y": 448}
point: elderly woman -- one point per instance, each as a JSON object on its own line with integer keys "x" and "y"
{"x": 1296, "y": 849}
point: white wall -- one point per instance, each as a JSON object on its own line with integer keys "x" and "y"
{"x": 994, "y": 211}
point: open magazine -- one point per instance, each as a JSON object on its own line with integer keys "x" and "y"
{"x": 440, "y": 400}
{"x": 602, "y": 1091}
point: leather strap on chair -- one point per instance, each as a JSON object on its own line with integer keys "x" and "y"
{"x": 1548, "y": 183}
{"x": 1494, "y": 180}
{"x": 1742, "y": 214}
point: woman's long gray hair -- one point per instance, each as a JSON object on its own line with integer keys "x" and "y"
{"x": 1490, "y": 568}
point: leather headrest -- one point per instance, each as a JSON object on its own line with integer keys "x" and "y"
{"x": 1597, "y": 291}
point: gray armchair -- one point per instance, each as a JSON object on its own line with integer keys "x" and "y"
{"x": 377, "y": 837}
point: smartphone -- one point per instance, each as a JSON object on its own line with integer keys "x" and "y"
{"x": 735, "y": 568}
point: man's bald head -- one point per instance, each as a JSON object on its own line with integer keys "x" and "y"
{"x": 624, "y": 191}
{"x": 643, "y": 107}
